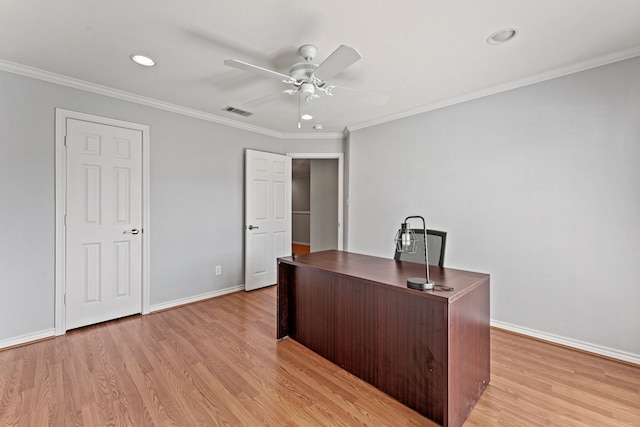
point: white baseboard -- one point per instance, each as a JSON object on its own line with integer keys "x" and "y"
{"x": 569, "y": 342}
{"x": 581, "y": 345}
{"x": 24, "y": 339}
{"x": 302, "y": 243}
{"x": 196, "y": 298}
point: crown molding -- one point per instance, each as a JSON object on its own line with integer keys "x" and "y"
{"x": 552, "y": 74}
{"x": 60, "y": 79}
{"x": 334, "y": 135}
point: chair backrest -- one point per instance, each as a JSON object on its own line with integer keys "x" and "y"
{"x": 436, "y": 242}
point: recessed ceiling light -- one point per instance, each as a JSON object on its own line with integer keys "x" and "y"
{"x": 306, "y": 117}
{"x": 502, "y": 36}
{"x": 143, "y": 60}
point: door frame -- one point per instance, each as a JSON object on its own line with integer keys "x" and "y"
{"x": 61, "y": 117}
{"x": 340, "y": 158}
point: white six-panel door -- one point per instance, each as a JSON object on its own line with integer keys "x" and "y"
{"x": 267, "y": 216}
{"x": 103, "y": 222}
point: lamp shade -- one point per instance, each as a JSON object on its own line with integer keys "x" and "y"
{"x": 406, "y": 240}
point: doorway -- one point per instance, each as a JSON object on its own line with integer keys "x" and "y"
{"x": 102, "y": 219}
{"x": 317, "y": 201}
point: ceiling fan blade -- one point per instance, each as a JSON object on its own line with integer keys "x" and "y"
{"x": 371, "y": 97}
{"x": 266, "y": 98}
{"x": 340, "y": 59}
{"x": 317, "y": 110}
{"x": 255, "y": 69}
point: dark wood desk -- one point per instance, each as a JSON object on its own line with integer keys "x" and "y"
{"x": 428, "y": 349}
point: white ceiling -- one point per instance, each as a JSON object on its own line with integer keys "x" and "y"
{"x": 422, "y": 53}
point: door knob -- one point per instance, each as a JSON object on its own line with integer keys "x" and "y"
{"x": 251, "y": 227}
{"x": 132, "y": 231}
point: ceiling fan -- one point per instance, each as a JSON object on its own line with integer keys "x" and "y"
{"x": 308, "y": 80}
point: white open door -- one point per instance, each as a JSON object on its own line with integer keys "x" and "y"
{"x": 267, "y": 216}
{"x": 103, "y": 222}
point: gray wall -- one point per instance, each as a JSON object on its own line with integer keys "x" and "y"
{"x": 538, "y": 186}
{"x": 300, "y": 205}
{"x": 324, "y": 204}
{"x": 196, "y": 185}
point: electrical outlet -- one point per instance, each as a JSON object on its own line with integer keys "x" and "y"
{"x": 218, "y": 270}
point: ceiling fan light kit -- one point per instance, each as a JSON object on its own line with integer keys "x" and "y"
{"x": 309, "y": 79}
{"x": 307, "y": 90}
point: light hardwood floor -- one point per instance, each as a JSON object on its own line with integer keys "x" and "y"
{"x": 217, "y": 362}
{"x": 300, "y": 249}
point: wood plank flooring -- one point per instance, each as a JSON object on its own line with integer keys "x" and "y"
{"x": 300, "y": 249}
{"x": 217, "y": 362}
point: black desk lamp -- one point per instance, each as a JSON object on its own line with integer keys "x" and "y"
{"x": 406, "y": 242}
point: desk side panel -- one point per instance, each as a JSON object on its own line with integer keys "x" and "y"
{"x": 315, "y": 305}
{"x": 286, "y": 322}
{"x": 392, "y": 338}
{"x": 412, "y": 351}
{"x": 469, "y": 352}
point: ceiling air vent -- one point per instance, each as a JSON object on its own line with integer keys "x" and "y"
{"x": 237, "y": 111}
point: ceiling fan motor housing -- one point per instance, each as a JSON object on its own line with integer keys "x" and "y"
{"x": 302, "y": 71}
{"x": 308, "y": 52}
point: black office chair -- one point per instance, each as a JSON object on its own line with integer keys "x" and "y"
{"x": 436, "y": 241}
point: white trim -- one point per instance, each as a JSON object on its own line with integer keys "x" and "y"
{"x": 201, "y": 297}
{"x": 59, "y": 79}
{"x": 340, "y": 157}
{"x": 334, "y": 135}
{"x": 569, "y": 342}
{"x": 526, "y": 81}
{"x": 61, "y": 117}
{"x": 24, "y": 339}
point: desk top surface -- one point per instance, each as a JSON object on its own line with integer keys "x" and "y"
{"x": 389, "y": 272}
